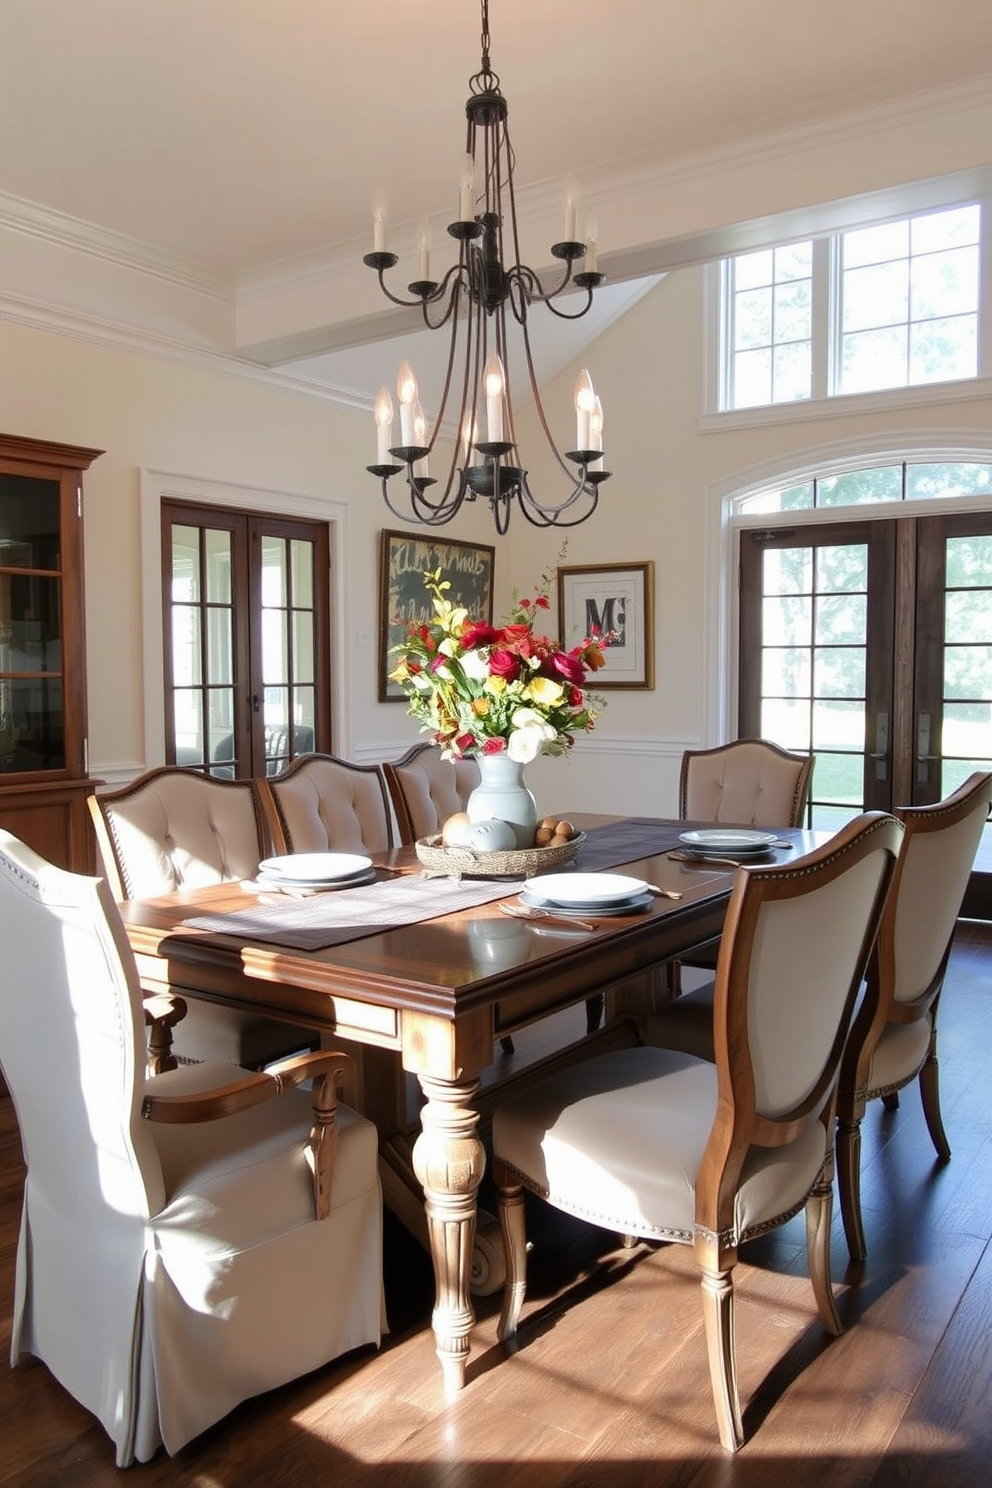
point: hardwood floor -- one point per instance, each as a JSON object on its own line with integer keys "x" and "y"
{"x": 609, "y": 1385}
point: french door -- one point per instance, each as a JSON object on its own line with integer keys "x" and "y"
{"x": 871, "y": 644}
{"x": 247, "y": 674}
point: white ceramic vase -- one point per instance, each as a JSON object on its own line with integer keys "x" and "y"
{"x": 502, "y": 795}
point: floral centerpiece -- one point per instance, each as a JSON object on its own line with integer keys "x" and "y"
{"x": 485, "y": 690}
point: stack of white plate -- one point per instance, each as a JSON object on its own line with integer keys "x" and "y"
{"x": 586, "y": 893}
{"x": 736, "y": 842}
{"x": 322, "y": 870}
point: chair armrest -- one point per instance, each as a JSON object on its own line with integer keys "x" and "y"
{"x": 325, "y": 1068}
{"x": 162, "y": 1011}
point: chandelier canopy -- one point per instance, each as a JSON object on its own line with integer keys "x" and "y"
{"x": 472, "y": 300}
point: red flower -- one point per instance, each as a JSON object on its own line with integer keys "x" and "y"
{"x": 477, "y": 633}
{"x": 504, "y": 664}
{"x": 494, "y": 746}
{"x": 543, "y": 602}
{"x": 569, "y": 666}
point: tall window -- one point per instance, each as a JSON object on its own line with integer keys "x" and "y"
{"x": 893, "y": 305}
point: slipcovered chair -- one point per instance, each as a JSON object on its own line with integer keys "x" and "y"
{"x": 186, "y": 1241}
{"x": 172, "y": 829}
{"x": 746, "y": 783}
{"x": 324, "y": 804}
{"x": 894, "y": 1037}
{"x": 425, "y": 789}
{"x": 656, "y": 1144}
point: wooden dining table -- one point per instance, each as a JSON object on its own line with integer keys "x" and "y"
{"x": 431, "y": 993}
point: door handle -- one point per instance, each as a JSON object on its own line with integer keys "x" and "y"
{"x": 881, "y": 752}
{"x": 923, "y": 755}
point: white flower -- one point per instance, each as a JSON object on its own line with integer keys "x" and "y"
{"x": 475, "y": 665}
{"x": 530, "y": 734}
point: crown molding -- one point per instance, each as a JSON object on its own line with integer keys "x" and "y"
{"x": 32, "y": 220}
{"x": 35, "y": 315}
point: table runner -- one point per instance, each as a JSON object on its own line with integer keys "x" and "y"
{"x": 333, "y": 918}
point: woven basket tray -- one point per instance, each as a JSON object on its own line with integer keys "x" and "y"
{"x": 456, "y": 862}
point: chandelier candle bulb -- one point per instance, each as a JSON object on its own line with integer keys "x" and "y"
{"x": 592, "y": 246}
{"x": 424, "y": 240}
{"x": 383, "y": 426}
{"x": 466, "y": 190}
{"x": 585, "y": 401}
{"x": 570, "y": 199}
{"x": 406, "y": 391}
{"x": 420, "y": 438}
{"x": 596, "y": 433}
{"x": 470, "y": 436}
{"x": 380, "y": 210}
{"x": 495, "y": 382}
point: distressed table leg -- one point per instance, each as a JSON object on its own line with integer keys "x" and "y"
{"x": 449, "y": 1160}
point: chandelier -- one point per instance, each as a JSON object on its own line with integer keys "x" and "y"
{"x": 473, "y": 299}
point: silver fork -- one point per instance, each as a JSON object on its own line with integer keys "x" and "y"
{"x": 525, "y": 912}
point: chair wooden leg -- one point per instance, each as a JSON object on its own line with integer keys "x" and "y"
{"x": 510, "y": 1198}
{"x": 594, "y": 1011}
{"x": 819, "y": 1212}
{"x": 848, "y": 1147}
{"x": 930, "y": 1095}
{"x": 718, "y": 1318}
{"x": 890, "y": 1102}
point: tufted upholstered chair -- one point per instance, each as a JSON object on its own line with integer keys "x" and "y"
{"x": 425, "y": 789}
{"x": 746, "y": 783}
{"x": 660, "y": 1145}
{"x": 894, "y": 1037}
{"x": 187, "y": 1241}
{"x": 324, "y": 804}
{"x": 172, "y": 829}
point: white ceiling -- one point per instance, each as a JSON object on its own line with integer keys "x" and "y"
{"x": 244, "y": 134}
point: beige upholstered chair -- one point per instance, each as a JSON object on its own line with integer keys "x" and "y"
{"x": 894, "y": 1037}
{"x": 656, "y": 1144}
{"x": 748, "y": 782}
{"x": 187, "y": 1241}
{"x": 425, "y": 789}
{"x": 171, "y": 829}
{"x": 324, "y": 804}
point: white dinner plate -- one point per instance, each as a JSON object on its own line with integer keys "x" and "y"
{"x": 584, "y": 889}
{"x": 324, "y": 885}
{"x": 319, "y": 867}
{"x": 631, "y": 905}
{"x": 726, "y": 839}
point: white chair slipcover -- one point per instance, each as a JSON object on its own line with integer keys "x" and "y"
{"x": 165, "y": 1272}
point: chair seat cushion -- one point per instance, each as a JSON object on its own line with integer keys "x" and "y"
{"x": 898, "y": 1055}
{"x": 618, "y": 1140}
{"x": 685, "y": 1024}
{"x": 226, "y": 1035}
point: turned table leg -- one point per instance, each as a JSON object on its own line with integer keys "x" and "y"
{"x": 449, "y": 1160}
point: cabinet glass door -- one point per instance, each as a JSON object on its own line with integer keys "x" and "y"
{"x": 32, "y": 706}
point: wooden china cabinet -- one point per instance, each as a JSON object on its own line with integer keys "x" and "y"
{"x": 43, "y": 733}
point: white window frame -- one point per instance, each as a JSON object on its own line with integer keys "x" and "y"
{"x": 823, "y": 401}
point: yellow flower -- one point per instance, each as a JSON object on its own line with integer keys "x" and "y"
{"x": 495, "y": 685}
{"x": 544, "y": 690}
{"x": 480, "y": 706}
